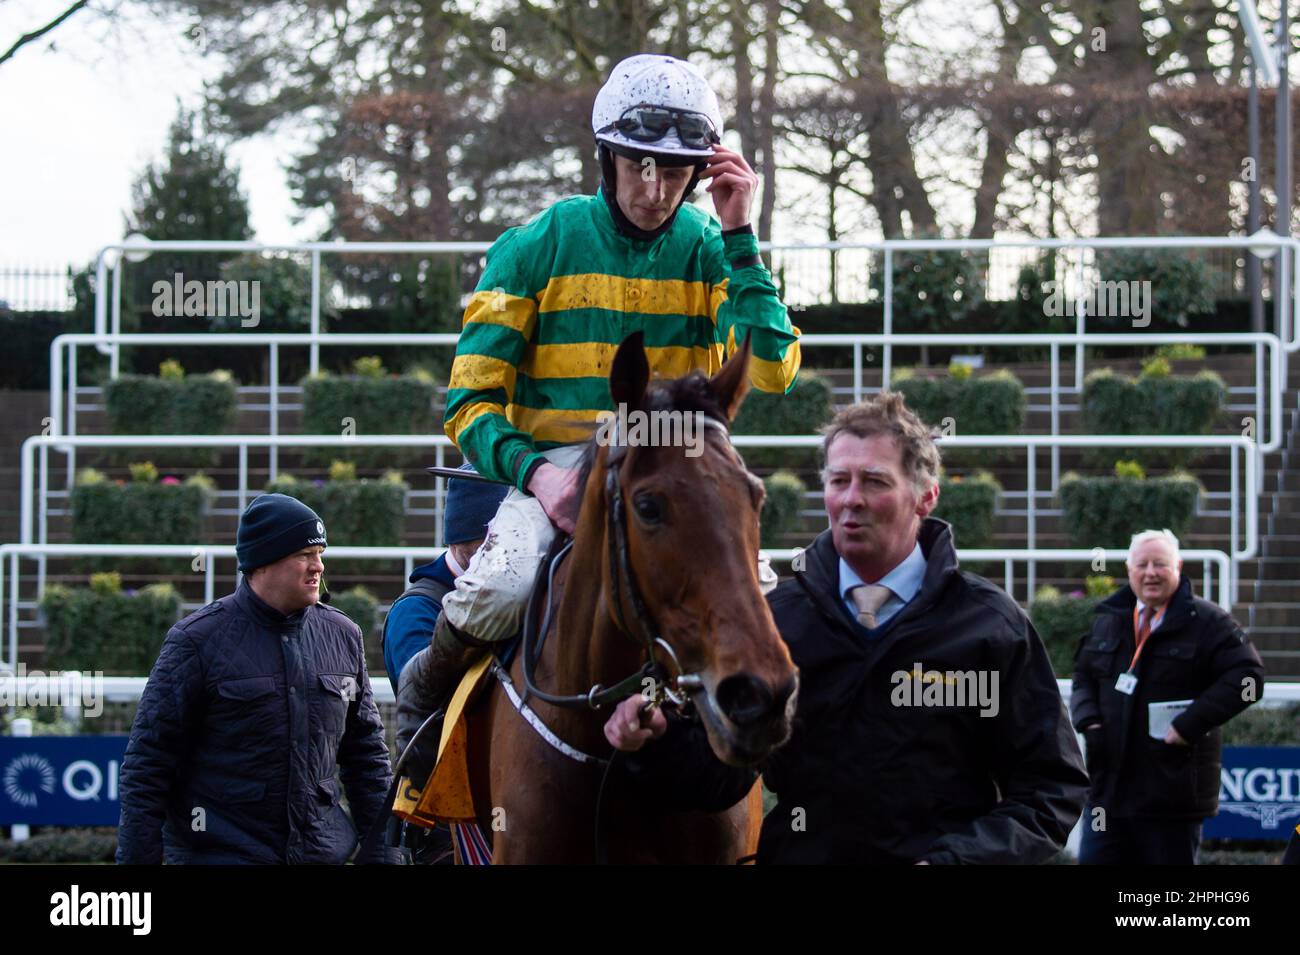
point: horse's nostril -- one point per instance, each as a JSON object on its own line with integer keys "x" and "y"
{"x": 744, "y": 699}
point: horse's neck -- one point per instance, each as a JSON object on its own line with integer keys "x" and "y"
{"x": 586, "y": 648}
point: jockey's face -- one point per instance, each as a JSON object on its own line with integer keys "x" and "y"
{"x": 648, "y": 193}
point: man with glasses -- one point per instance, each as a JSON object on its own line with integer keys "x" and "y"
{"x": 559, "y": 295}
{"x": 1158, "y": 675}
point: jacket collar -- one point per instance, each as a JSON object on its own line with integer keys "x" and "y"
{"x": 820, "y": 576}
{"x": 263, "y": 612}
{"x": 1124, "y": 600}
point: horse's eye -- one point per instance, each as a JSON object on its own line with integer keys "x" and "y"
{"x": 648, "y": 509}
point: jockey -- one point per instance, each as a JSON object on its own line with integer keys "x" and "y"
{"x": 557, "y": 297}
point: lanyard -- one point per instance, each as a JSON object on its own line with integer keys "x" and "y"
{"x": 1141, "y": 641}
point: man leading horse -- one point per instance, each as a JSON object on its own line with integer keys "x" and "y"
{"x": 557, "y": 297}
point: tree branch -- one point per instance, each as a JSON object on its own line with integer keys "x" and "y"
{"x": 37, "y": 34}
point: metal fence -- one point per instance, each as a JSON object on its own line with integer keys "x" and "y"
{"x": 36, "y": 288}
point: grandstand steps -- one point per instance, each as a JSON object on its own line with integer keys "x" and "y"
{"x": 1269, "y": 586}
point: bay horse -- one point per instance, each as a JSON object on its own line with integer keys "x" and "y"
{"x": 665, "y": 546}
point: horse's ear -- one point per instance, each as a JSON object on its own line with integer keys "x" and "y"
{"x": 731, "y": 384}
{"x": 630, "y": 373}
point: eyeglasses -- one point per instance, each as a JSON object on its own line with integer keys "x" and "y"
{"x": 647, "y": 124}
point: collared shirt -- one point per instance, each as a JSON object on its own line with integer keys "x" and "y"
{"x": 904, "y": 580}
{"x": 1159, "y": 618}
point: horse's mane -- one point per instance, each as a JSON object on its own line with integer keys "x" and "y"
{"x": 689, "y": 394}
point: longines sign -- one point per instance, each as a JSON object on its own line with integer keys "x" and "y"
{"x": 1259, "y": 793}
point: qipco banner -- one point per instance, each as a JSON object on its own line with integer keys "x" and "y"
{"x": 1259, "y": 793}
{"x": 60, "y": 780}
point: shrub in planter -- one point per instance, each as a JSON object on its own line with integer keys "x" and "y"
{"x": 363, "y": 610}
{"x": 357, "y": 513}
{"x": 1108, "y": 511}
{"x": 1154, "y": 403}
{"x": 173, "y": 403}
{"x": 785, "y": 495}
{"x": 1062, "y": 620}
{"x": 968, "y": 503}
{"x": 960, "y": 404}
{"x": 145, "y": 510}
{"x": 369, "y": 402}
{"x": 807, "y": 407}
{"x": 103, "y": 628}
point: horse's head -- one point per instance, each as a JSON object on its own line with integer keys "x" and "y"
{"x": 691, "y": 513}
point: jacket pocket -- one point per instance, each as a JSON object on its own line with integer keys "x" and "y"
{"x": 336, "y": 693}
{"x": 1170, "y": 667}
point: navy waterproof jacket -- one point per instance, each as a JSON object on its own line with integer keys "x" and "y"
{"x": 246, "y": 717}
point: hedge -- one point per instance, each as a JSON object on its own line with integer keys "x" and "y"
{"x": 785, "y": 497}
{"x": 356, "y": 513}
{"x": 68, "y": 845}
{"x": 196, "y": 404}
{"x": 960, "y": 404}
{"x": 968, "y": 504}
{"x": 806, "y": 408}
{"x": 370, "y": 404}
{"x": 1264, "y": 726}
{"x": 1063, "y": 620}
{"x": 993, "y": 404}
{"x": 1108, "y": 511}
{"x": 363, "y": 610}
{"x": 1151, "y": 404}
{"x": 102, "y": 628}
{"x": 138, "y": 512}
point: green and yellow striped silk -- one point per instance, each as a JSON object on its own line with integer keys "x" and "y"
{"x": 557, "y": 297}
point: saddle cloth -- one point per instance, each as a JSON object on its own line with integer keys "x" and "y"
{"x": 447, "y": 796}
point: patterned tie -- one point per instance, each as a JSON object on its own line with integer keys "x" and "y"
{"x": 1144, "y": 625}
{"x": 869, "y": 598}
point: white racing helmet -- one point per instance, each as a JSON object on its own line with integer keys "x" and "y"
{"x": 658, "y": 105}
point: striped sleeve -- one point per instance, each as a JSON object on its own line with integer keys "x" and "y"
{"x": 499, "y": 322}
{"x": 744, "y": 301}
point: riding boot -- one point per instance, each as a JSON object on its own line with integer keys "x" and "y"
{"x": 424, "y": 688}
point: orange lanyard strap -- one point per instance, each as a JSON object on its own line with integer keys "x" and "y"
{"x": 1137, "y": 635}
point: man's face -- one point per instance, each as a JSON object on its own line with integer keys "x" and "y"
{"x": 1153, "y": 573}
{"x": 293, "y": 582}
{"x": 648, "y": 193}
{"x": 874, "y": 510}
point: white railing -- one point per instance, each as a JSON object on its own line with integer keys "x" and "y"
{"x": 111, "y": 256}
{"x": 440, "y": 444}
{"x": 1210, "y": 560}
{"x": 205, "y": 556}
{"x": 1270, "y": 416}
{"x": 129, "y": 689}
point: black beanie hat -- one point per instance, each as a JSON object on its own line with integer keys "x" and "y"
{"x": 470, "y": 507}
{"x": 274, "y": 526}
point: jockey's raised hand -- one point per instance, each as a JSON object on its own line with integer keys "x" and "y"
{"x": 732, "y": 188}
{"x": 556, "y": 489}
{"x": 628, "y": 728}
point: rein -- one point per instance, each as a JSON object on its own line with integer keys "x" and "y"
{"x": 674, "y": 690}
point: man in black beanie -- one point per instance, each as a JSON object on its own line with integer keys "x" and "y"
{"x": 253, "y": 704}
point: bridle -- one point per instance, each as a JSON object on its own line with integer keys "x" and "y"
{"x": 661, "y": 687}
